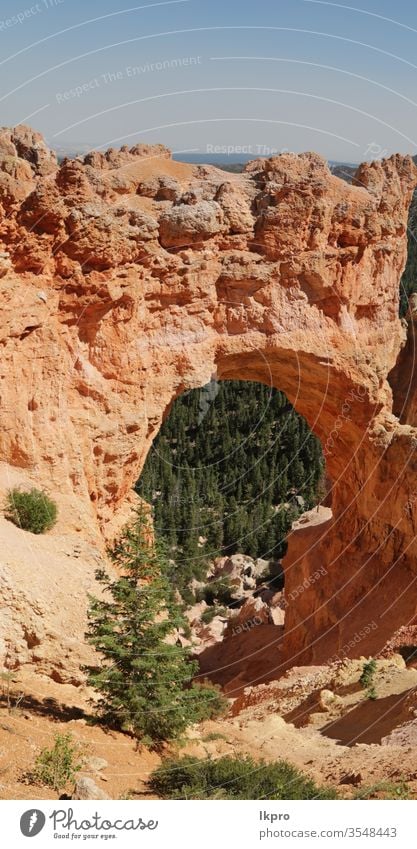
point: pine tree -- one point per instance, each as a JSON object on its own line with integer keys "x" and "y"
{"x": 408, "y": 283}
{"x": 145, "y": 684}
{"x": 250, "y": 449}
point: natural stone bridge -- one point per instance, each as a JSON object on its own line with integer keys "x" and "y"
{"x": 128, "y": 279}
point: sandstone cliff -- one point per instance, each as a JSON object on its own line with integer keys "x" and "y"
{"x": 128, "y": 278}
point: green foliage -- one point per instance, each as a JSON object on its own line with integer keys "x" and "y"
{"x": 408, "y": 283}
{"x": 224, "y": 474}
{"x": 211, "y": 701}
{"x": 218, "y": 590}
{"x": 367, "y": 679}
{"x": 233, "y": 778}
{"x": 145, "y": 682}
{"x": 208, "y": 615}
{"x": 212, "y": 736}
{"x": 368, "y": 673}
{"x": 30, "y": 510}
{"x": 58, "y": 766}
{"x": 384, "y": 790}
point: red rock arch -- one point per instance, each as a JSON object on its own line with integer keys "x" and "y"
{"x": 129, "y": 278}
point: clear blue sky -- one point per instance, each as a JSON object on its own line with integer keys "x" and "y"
{"x": 280, "y": 74}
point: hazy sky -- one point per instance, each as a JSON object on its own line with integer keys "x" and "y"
{"x": 193, "y": 74}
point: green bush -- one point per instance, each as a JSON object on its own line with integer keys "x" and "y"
{"x": 208, "y": 615}
{"x": 211, "y": 701}
{"x": 233, "y": 778}
{"x": 57, "y": 766}
{"x": 368, "y": 672}
{"x": 32, "y": 510}
{"x": 218, "y": 591}
{"x": 367, "y": 679}
{"x": 408, "y": 283}
{"x": 186, "y": 593}
{"x": 384, "y": 790}
{"x": 212, "y": 736}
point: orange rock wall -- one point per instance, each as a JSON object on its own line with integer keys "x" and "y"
{"x": 128, "y": 278}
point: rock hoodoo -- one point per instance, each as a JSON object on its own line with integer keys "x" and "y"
{"x": 128, "y": 278}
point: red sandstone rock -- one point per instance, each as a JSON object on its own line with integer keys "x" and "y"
{"x": 284, "y": 275}
{"x": 185, "y": 225}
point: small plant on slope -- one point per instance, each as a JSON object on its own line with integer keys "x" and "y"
{"x": 57, "y": 766}
{"x": 385, "y": 790}
{"x": 31, "y": 510}
{"x": 367, "y": 678}
{"x": 211, "y": 612}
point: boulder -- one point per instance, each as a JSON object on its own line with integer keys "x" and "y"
{"x": 186, "y": 225}
{"x": 96, "y": 764}
{"x": 86, "y": 789}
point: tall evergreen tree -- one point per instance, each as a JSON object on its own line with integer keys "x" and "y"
{"x": 234, "y": 468}
{"x": 145, "y": 682}
{"x": 408, "y": 284}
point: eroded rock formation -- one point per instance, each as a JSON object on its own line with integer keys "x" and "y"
{"x": 128, "y": 278}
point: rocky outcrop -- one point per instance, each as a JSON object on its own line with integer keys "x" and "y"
{"x": 44, "y": 586}
{"x": 128, "y": 279}
{"x": 241, "y": 574}
{"x": 183, "y": 225}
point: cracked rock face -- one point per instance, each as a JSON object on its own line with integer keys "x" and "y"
{"x": 185, "y": 225}
{"x": 128, "y": 278}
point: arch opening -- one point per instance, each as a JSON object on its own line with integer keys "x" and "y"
{"x": 232, "y": 467}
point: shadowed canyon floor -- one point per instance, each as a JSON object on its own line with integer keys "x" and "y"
{"x": 310, "y": 717}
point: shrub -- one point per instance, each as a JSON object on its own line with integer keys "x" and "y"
{"x": 233, "y": 778}
{"x": 186, "y": 630}
{"x": 31, "y": 510}
{"x": 187, "y": 596}
{"x": 384, "y": 790}
{"x": 218, "y": 590}
{"x": 368, "y": 673}
{"x": 208, "y": 615}
{"x": 212, "y": 736}
{"x": 367, "y": 679}
{"x": 57, "y": 766}
{"x": 211, "y": 701}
